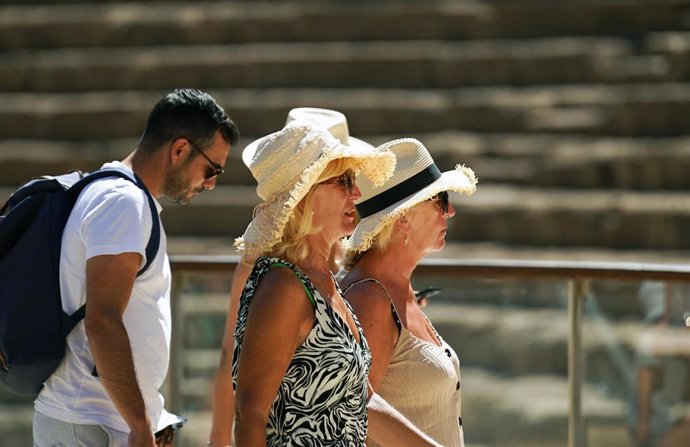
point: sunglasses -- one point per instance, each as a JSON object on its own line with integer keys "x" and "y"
{"x": 346, "y": 180}
{"x": 214, "y": 169}
{"x": 442, "y": 198}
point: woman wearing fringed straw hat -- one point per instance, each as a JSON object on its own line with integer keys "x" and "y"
{"x": 301, "y": 362}
{"x": 223, "y": 396}
{"x": 412, "y": 368}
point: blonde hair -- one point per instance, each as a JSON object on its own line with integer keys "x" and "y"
{"x": 292, "y": 245}
{"x": 379, "y": 243}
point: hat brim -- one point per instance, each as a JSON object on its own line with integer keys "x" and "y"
{"x": 460, "y": 180}
{"x": 249, "y": 150}
{"x": 270, "y": 217}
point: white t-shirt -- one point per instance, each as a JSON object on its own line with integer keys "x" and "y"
{"x": 111, "y": 216}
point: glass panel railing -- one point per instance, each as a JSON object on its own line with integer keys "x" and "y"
{"x": 200, "y": 304}
{"x": 530, "y": 350}
{"x": 637, "y": 348}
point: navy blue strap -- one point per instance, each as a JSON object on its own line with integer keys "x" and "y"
{"x": 154, "y": 239}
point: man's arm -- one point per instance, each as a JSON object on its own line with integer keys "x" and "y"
{"x": 109, "y": 283}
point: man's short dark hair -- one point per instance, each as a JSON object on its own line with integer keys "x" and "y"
{"x": 187, "y": 113}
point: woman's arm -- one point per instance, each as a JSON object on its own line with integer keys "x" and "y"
{"x": 373, "y": 309}
{"x": 388, "y": 427}
{"x": 280, "y": 318}
{"x": 223, "y": 395}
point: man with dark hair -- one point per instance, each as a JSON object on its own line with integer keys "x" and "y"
{"x": 105, "y": 391}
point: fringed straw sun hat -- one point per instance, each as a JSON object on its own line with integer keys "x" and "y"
{"x": 286, "y": 164}
{"x": 330, "y": 120}
{"x": 416, "y": 179}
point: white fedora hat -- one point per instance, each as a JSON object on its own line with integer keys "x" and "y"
{"x": 416, "y": 179}
{"x": 286, "y": 164}
{"x": 330, "y": 120}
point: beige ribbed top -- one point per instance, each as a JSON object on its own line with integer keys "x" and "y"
{"x": 423, "y": 383}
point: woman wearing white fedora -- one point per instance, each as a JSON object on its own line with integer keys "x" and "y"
{"x": 223, "y": 395}
{"x": 301, "y": 362}
{"x": 412, "y": 368}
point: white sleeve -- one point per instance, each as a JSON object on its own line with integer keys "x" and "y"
{"x": 117, "y": 220}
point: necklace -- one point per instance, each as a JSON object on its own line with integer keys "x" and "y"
{"x": 317, "y": 277}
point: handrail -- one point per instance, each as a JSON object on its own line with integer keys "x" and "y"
{"x": 493, "y": 267}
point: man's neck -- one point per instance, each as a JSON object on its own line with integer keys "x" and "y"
{"x": 148, "y": 169}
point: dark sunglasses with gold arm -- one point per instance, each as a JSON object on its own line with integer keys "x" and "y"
{"x": 214, "y": 169}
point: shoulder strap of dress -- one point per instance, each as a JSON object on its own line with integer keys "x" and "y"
{"x": 390, "y": 299}
{"x": 285, "y": 264}
{"x": 308, "y": 291}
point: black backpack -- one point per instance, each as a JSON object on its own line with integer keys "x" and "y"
{"x": 33, "y": 326}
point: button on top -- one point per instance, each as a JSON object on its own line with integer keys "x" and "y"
{"x": 457, "y": 386}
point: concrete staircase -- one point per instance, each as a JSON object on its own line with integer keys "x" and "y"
{"x": 570, "y": 114}
{"x": 574, "y": 115}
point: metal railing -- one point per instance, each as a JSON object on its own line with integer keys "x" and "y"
{"x": 577, "y": 275}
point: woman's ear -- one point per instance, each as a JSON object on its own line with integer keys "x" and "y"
{"x": 401, "y": 223}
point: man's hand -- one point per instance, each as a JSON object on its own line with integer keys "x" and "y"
{"x": 141, "y": 438}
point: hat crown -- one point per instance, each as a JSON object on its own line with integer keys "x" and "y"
{"x": 411, "y": 158}
{"x": 282, "y": 157}
{"x": 331, "y": 120}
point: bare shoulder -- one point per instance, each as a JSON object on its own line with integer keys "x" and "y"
{"x": 368, "y": 298}
{"x": 280, "y": 309}
{"x": 280, "y": 287}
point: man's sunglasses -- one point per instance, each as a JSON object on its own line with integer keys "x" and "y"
{"x": 442, "y": 198}
{"x": 214, "y": 169}
{"x": 345, "y": 180}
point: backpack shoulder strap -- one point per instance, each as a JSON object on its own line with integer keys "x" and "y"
{"x": 154, "y": 240}
{"x": 69, "y": 321}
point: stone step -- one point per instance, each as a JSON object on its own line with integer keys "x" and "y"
{"x": 501, "y": 214}
{"x": 343, "y": 64}
{"x": 142, "y": 23}
{"x": 621, "y": 110}
{"x": 663, "y": 57}
{"x": 462, "y": 306}
{"x": 223, "y": 246}
{"x": 544, "y": 160}
{"x": 495, "y": 411}
{"x": 518, "y": 340}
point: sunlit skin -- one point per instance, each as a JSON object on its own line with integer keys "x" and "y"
{"x": 334, "y": 216}
{"x": 428, "y": 226}
{"x": 420, "y": 231}
{"x": 276, "y": 327}
{"x": 189, "y": 179}
{"x": 224, "y": 396}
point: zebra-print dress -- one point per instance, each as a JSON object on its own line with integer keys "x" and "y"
{"x": 322, "y": 398}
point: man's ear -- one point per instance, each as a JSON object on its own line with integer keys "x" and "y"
{"x": 178, "y": 151}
